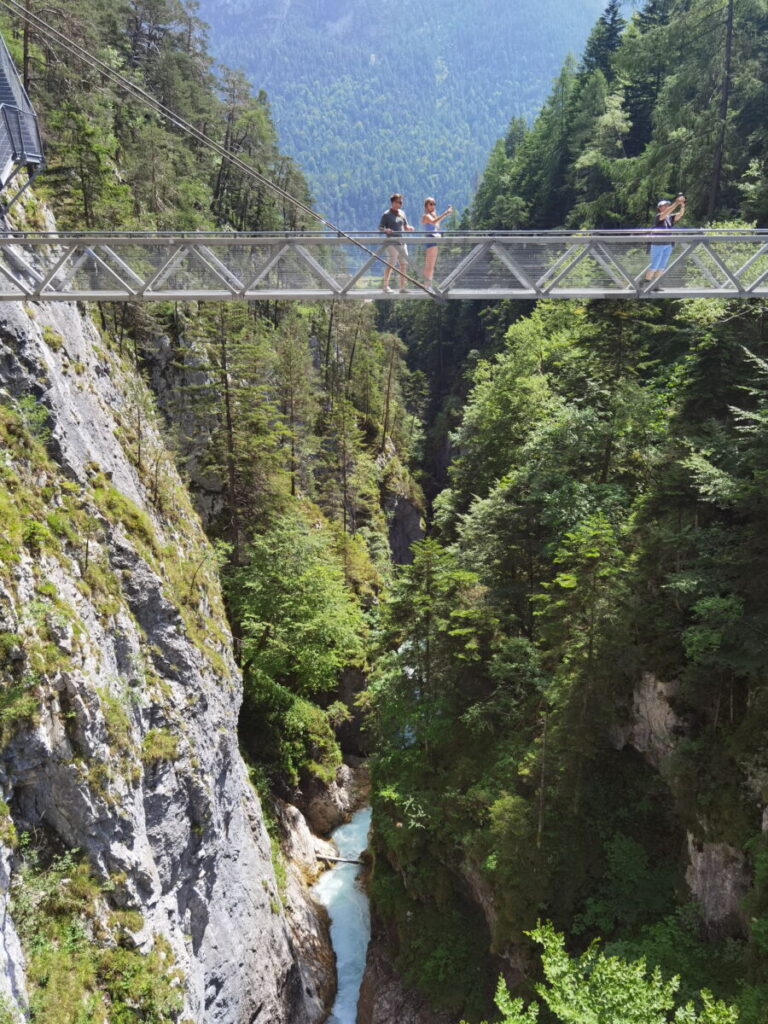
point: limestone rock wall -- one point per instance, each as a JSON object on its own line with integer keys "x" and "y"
{"x": 717, "y": 874}
{"x": 118, "y": 634}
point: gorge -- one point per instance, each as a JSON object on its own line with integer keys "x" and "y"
{"x": 497, "y": 570}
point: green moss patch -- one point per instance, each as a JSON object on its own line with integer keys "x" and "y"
{"x": 83, "y": 966}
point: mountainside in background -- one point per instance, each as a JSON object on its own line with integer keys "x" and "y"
{"x": 369, "y": 98}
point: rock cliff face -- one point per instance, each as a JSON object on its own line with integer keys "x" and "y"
{"x": 384, "y": 998}
{"x": 717, "y": 874}
{"x": 121, "y": 693}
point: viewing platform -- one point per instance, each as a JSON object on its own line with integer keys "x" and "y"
{"x": 310, "y": 266}
{"x": 20, "y": 143}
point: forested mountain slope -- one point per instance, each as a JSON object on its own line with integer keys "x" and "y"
{"x": 371, "y": 98}
{"x": 675, "y": 103}
{"x": 570, "y": 702}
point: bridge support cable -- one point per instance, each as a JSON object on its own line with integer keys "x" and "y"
{"x": 55, "y": 37}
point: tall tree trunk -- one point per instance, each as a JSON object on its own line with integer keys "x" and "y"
{"x": 292, "y": 428}
{"x": 354, "y": 346}
{"x": 388, "y": 398}
{"x": 327, "y": 357}
{"x": 26, "y": 58}
{"x": 722, "y": 116}
{"x": 230, "y": 434}
{"x": 542, "y": 784}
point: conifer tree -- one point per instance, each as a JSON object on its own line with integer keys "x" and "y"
{"x": 604, "y": 41}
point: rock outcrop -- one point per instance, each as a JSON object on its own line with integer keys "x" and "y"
{"x": 653, "y": 728}
{"x": 122, "y": 743}
{"x": 717, "y": 874}
{"x": 326, "y": 806}
{"x": 719, "y": 878}
{"x": 383, "y": 996}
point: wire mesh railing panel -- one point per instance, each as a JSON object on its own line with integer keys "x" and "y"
{"x": 19, "y": 121}
{"x": 7, "y": 154}
{"x": 30, "y": 143}
{"x": 10, "y": 77}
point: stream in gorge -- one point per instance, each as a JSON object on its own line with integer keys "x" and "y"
{"x": 347, "y": 904}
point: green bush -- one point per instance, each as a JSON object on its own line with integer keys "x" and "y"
{"x": 597, "y": 989}
{"x": 17, "y": 705}
{"x": 285, "y": 733}
{"x": 37, "y": 536}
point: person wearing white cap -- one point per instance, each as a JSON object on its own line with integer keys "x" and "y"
{"x": 667, "y": 215}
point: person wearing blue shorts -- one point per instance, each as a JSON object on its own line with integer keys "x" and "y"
{"x": 667, "y": 215}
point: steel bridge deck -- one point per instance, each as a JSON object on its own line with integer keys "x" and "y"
{"x": 151, "y": 267}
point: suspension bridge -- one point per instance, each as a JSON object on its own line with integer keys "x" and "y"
{"x": 334, "y": 264}
{"x": 151, "y": 267}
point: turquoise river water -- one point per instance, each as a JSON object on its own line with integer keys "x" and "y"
{"x": 340, "y": 892}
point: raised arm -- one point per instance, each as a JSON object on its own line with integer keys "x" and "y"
{"x": 434, "y": 218}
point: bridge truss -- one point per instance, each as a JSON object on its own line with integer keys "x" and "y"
{"x": 146, "y": 267}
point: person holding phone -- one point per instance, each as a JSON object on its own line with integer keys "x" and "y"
{"x": 667, "y": 215}
{"x": 430, "y": 220}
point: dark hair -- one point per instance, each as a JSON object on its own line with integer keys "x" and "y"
{"x": 394, "y": 196}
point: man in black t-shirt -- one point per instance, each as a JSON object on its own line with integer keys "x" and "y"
{"x": 393, "y": 223}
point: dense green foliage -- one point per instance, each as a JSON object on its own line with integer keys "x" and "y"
{"x": 599, "y": 547}
{"x": 597, "y": 989}
{"x": 674, "y": 103}
{"x": 370, "y": 98}
{"x": 602, "y": 530}
{"x": 300, "y": 627}
{"x": 307, "y": 420}
{"x": 112, "y": 161}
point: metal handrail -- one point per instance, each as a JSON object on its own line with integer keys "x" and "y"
{"x": 447, "y": 237}
{"x": 227, "y": 266}
{"x": 20, "y": 142}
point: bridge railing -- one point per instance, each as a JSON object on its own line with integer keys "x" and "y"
{"x": 20, "y": 142}
{"x": 470, "y": 265}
